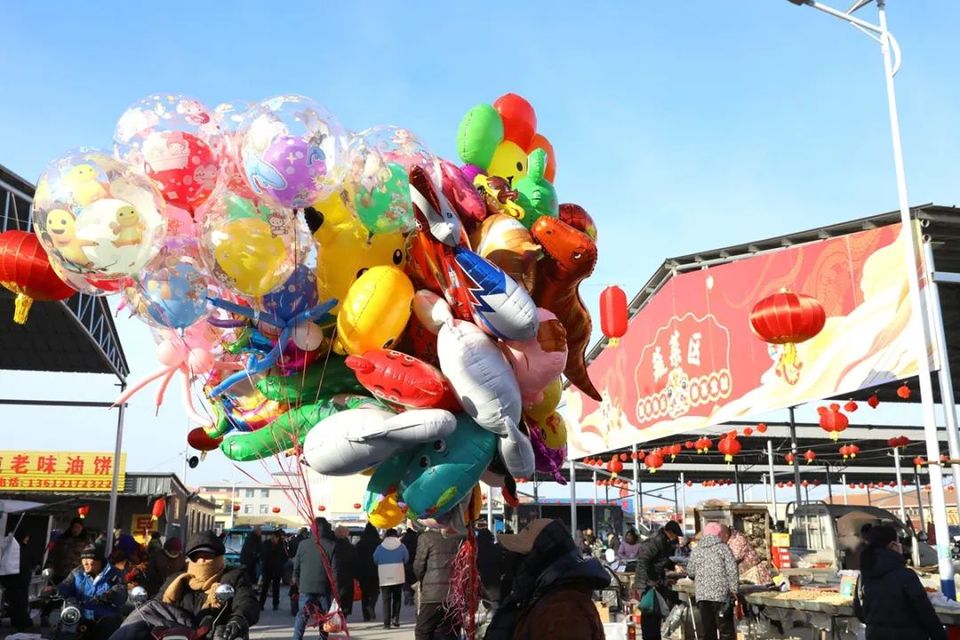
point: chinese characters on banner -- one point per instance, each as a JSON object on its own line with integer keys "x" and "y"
{"x": 141, "y": 525}
{"x": 690, "y": 360}
{"x": 57, "y": 471}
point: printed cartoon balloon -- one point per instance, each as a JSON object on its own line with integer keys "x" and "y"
{"x": 96, "y": 218}
{"x": 175, "y": 141}
{"x": 293, "y": 151}
{"x": 172, "y": 290}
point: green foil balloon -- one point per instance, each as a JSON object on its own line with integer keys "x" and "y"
{"x": 480, "y": 131}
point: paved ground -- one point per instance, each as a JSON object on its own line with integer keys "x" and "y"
{"x": 278, "y": 625}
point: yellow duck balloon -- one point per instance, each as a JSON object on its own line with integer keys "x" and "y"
{"x": 375, "y": 311}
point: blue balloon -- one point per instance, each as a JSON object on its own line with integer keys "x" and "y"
{"x": 174, "y": 296}
{"x": 298, "y": 294}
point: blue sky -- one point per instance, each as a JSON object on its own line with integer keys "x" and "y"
{"x": 679, "y": 126}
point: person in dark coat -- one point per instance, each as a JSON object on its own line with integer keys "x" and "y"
{"x": 311, "y": 577}
{"x": 292, "y": 546}
{"x": 16, "y": 587}
{"x": 189, "y": 598}
{"x": 250, "y": 554}
{"x": 367, "y": 572}
{"x": 346, "y": 569}
{"x": 168, "y": 561}
{"x": 653, "y": 560}
{"x": 489, "y": 562}
{"x": 431, "y": 566}
{"x": 99, "y": 590}
{"x": 409, "y": 540}
{"x": 551, "y": 590}
{"x": 273, "y": 556}
{"x": 889, "y": 598}
{"x": 65, "y": 556}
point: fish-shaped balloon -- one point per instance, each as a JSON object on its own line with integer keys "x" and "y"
{"x": 401, "y": 379}
{"x": 500, "y": 306}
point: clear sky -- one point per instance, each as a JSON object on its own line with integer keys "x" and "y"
{"x": 680, "y": 126}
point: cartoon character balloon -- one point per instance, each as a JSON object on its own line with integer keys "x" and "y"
{"x": 97, "y": 218}
{"x": 293, "y": 151}
{"x": 172, "y": 290}
{"x": 174, "y": 140}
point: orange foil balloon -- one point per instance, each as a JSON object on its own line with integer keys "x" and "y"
{"x": 26, "y": 271}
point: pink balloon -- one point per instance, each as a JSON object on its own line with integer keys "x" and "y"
{"x": 540, "y": 360}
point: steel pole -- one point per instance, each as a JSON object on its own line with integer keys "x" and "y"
{"x": 683, "y": 501}
{"x": 636, "y": 489}
{"x": 896, "y": 466}
{"x": 938, "y": 501}
{"x": 826, "y": 469}
{"x": 773, "y": 479}
{"x": 114, "y": 487}
{"x": 923, "y": 523}
{"x": 843, "y": 479}
{"x": 596, "y": 499}
{"x": 947, "y": 400}
{"x": 573, "y": 499}
{"x": 796, "y": 455}
{"x": 490, "y": 510}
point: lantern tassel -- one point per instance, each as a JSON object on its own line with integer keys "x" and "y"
{"x": 613, "y": 343}
{"x": 21, "y": 308}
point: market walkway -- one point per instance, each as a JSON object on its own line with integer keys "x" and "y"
{"x": 278, "y": 625}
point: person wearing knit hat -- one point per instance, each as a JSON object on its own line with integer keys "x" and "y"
{"x": 99, "y": 590}
{"x": 166, "y": 562}
{"x": 715, "y": 579}
{"x": 190, "y": 597}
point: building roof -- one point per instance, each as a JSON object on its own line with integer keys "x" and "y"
{"x": 74, "y": 336}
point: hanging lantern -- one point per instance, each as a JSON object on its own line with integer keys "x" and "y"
{"x": 623, "y": 457}
{"x": 899, "y": 441}
{"x": 789, "y": 483}
{"x": 748, "y": 432}
{"x": 919, "y": 462}
{"x": 83, "y": 510}
{"x": 853, "y": 450}
{"x": 614, "y": 316}
{"x": 25, "y": 270}
{"x": 832, "y": 421}
{"x": 862, "y": 486}
{"x": 850, "y": 406}
{"x": 689, "y": 483}
{"x": 903, "y": 391}
{"x": 845, "y": 451}
{"x": 689, "y": 444}
{"x": 236, "y": 507}
{"x": 674, "y": 450}
{"x": 275, "y": 509}
{"x": 810, "y": 455}
{"x": 729, "y": 447}
{"x": 614, "y": 466}
{"x": 892, "y": 484}
{"x": 641, "y": 455}
{"x": 852, "y": 485}
{"x": 762, "y": 428}
{"x": 159, "y": 506}
{"x": 780, "y": 485}
{"x": 653, "y": 461}
{"x": 704, "y": 445}
{"x": 321, "y": 508}
{"x": 788, "y": 456}
{"x": 873, "y": 401}
{"x": 805, "y": 483}
{"x": 787, "y": 318}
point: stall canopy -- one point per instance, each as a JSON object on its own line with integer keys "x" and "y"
{"x": 691, "y": 364}
{"x": 77, "y": 335}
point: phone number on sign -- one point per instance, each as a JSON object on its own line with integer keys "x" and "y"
{"x": 53, "y": 483}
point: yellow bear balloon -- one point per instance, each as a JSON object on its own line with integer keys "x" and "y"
{"x": 551, "y": 398}
{"x": 509, "y": 162}
{"x": 347, "y": 249}
{"x": 375, "y": 311}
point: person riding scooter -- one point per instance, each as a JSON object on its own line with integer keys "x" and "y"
{"x": 99, "y": 591}
{"x": 188, "y": 599}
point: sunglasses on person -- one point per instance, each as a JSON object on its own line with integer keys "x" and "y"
{"x": 202, "y": 555}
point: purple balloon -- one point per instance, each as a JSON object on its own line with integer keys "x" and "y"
{"x": 287, "y": 171}
{"x": 471, "y": 171}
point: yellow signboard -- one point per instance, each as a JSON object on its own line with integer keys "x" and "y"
{"x": 59, "y": 471}
{"x": 141, "y": 524}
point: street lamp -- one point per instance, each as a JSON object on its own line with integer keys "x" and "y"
{"x": 891, "y": 64}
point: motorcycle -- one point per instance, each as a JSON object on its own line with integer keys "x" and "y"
{"x": 71, "y": 625}
{"x": 224, "y": 594}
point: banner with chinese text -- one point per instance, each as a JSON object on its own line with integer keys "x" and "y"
{"x": 58, "y": 471}
{"x": 690, "y": 359}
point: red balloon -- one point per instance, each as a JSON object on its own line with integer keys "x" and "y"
{"x": 401, "y": 379}
{"x": 25, "y": 270}
{"x": 519, "y": 119}
{"x": 540, "y": 142}
{"x": 199, "y": 440}
{"x": 578, "y": 218}
{"x": 183, "y": 165}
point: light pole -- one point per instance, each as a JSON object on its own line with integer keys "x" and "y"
{"x": 890, "y": 50}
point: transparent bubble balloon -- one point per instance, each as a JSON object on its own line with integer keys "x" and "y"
{"x": 174, "y": 139}
{"x": 231, "y": 119}
{"x": 247, "y": 244}
{"x": 171, "y": 291}
{"x": 292, "y": 152}
{"x": 96, "y": 217}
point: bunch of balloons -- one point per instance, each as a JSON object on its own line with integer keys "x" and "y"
{"x": 351, "y": 299}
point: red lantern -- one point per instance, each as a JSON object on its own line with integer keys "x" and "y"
{"x": 892, "y": 483}
{"x": 780, "y": 485}
{"x": 674, "y": 450}
{"x": 789, "y": 483}
{"x": 83, "y": 510}
{"x": 704, "y": 445}
{"x": 850, "y": 407}
{"x": 613, "y": 314}
{"x": 614, "y": 466}
{"x": 805, "y": 483}
{"x": 653, "y": 461}
{"x": 810, "y": 455}
{"x": 762, "y": 428}
{"x": 25, "y": 270}
{"x": 623, "y": 457}
{"x": 729, "y": 447}
{"x": 845, "y": 451}
{"x": 904, "y": 391}
{"x": 159, "y": 506}
{"x": 873, "y": 401}
{"x": 787, "y": 318}
{"x": 275, "y": 509}
{"x": 199, "y": 440}
{"x": 919, "y": 462}
{"x": 789, "y": 457}
{"x": 944, "y": 459}
{"x": 852, "y": 485}
{"x": 641, "y": 455}
{"x": 689, "y": 483}
{"x": 853, "y": 450}
{"x": 832, "y": 421}
{"x": 321, "y": 508}
{"x": 748, "y": 432}
{"x": 236, "y": 507}
{"x": 862, "y": 486}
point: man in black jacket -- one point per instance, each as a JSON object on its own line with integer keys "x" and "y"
{"x": 189, "y": 598}
{"x": 250, "y": 554}
{"x": 346, "y": 557}
{"x": 273, "y": 556}
{"x": 432, "y": 567}
{"x": 653, "y": 561}
{"x": 367, "y": 572}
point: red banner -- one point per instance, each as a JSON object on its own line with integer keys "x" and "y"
{"x": 690, "y": 358}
